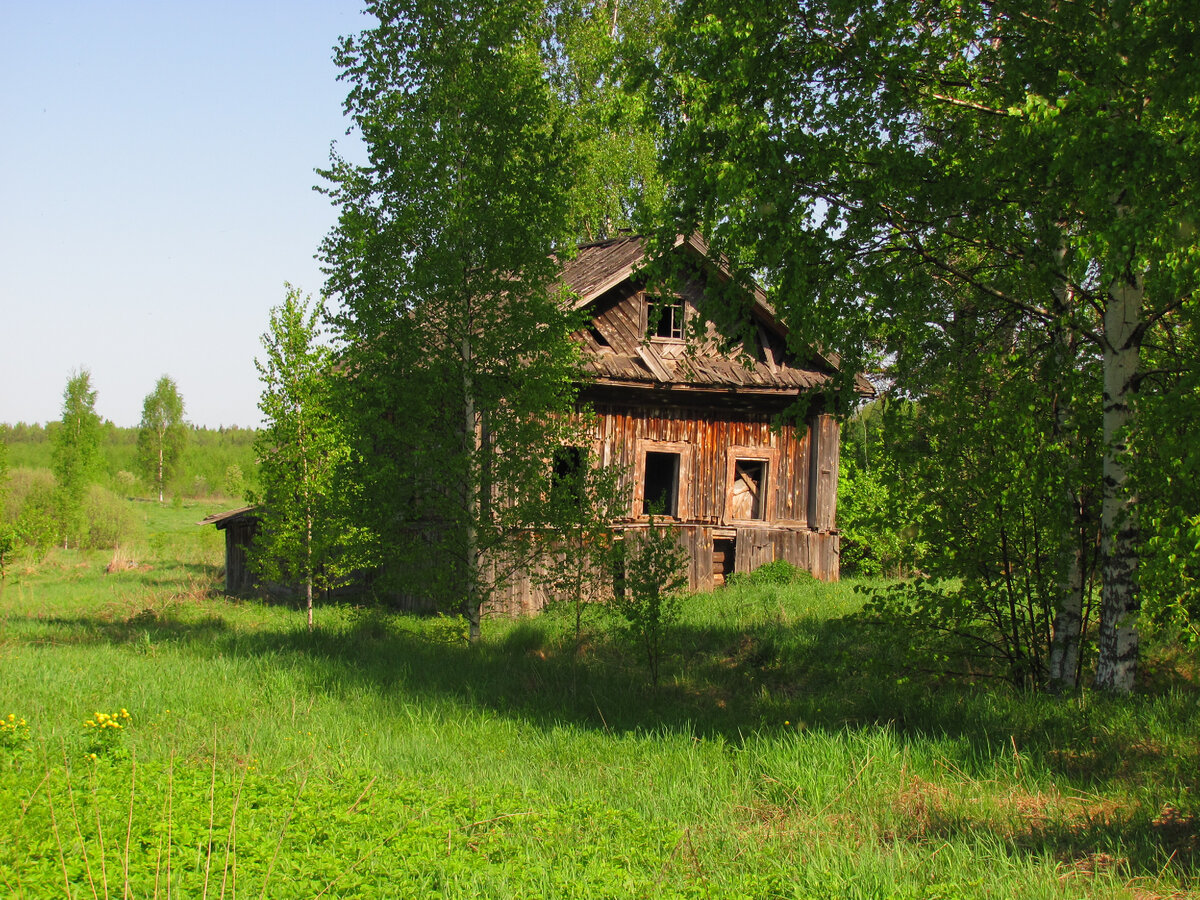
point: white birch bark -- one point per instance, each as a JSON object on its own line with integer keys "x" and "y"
{"x": 1119, "y": 601}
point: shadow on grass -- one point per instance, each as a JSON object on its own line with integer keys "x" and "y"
{"x": 771, "y": 678}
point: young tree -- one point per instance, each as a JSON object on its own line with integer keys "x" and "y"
{"x": 1039, "y": 160}
{"x": 584, "y": 499}
{"x": 655, "y": 580}
{"x": 8, "y": 533}
{"x": 76, "y": 453}
{"x": 460, "y": 370}
{"x": 162, "y": 434}
{"x": 300, "y": 448}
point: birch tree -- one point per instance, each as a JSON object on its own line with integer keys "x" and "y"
{"x": 1040, "y": 155}
{"x": 162, "y": 434}
{"x": 302, "y": 539}
{"x": 456, "y": 344}
{"x": 76, "y": 458}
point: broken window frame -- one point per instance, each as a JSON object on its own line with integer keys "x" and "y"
{"x": 672, "y": 318}
{"x": 768, "y": 457}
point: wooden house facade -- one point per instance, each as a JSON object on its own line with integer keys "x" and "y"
{"x": 696, "y": 426}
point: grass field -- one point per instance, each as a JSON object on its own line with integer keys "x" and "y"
{"x": 788, "y": 753}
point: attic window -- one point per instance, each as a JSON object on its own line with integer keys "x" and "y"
{"x": 598, "y": 337}
{"x": 664, "y": 318}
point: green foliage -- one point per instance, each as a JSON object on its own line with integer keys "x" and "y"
{"x": 652, "y": 589}
{"x": 76, "y": 453}
{"x": 880, "y": 509}
{"x": 1166, "y": 469}
{"x": 584, "y": 498}
{"x": 1022, "y": 174}
{"x": 109, "y": 520}
{"x": 304, "y": 539}
{"x": 462, "y": 374}
{"x": 594, "y": 54}
{"x": 162, "y": 434}
{"x": 778, "y": 571}
{"x": 32, "y": 505}
{"x": 235, "y": 481}
{"x": 996, "y": 484}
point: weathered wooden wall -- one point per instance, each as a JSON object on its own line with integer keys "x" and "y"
{"x": 707, "y": 438}
{"x": 239, "y": 533}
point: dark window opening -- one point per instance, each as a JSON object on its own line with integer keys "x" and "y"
{"x": 598, "y": 337}
{"x": 660, "y": 489}
{"x": 749, "y": 489}
{"x": 664, "y": 317}
{"x": 567, "y": 473}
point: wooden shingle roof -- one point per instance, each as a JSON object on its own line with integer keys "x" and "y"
{"x": 603, "y": 277}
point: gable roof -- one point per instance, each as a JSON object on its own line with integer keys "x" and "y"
{"x": 598, "y": 276}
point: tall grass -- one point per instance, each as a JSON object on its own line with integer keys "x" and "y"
{"x": 787, "y": 753}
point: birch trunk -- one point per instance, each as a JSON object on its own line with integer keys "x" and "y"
{"x": 472, "y": 599}
{"x": 1068, "y": 618}
{"x": 1119, "y": 602}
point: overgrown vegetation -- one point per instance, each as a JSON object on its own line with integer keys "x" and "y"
{"x": 789, "y": 750}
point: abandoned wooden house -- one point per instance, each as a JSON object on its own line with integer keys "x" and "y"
{"x": 697, "y": 428}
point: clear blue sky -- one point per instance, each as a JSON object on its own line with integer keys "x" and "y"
{"x": 156, "y": 175}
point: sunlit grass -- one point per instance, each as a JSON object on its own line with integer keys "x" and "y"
{"x": 786, "y": 753}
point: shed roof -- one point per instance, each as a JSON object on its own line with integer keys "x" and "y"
{"x": 227, "y": 518}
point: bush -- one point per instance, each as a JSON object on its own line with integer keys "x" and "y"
{"x": 778, "y": 571}
{"x": 127, "y": 483}
{"x": 30, "y": 505}
{"x": 653, "y": 587}
{"x": 109, "y": 520}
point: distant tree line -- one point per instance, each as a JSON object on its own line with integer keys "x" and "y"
{"x": 65, "y": 483}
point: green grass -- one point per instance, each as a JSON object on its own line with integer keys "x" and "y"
{"x": 787, "y": 753}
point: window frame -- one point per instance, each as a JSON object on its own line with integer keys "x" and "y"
{"x": 769, "y": 457}
{"x": 682, "y": 483}
{"x": 667, "y": 301}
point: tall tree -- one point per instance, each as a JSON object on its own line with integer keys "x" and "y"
{"x": 594, "y": 53}
{"x": 8, "y": 532}
{"x": 456, "y": 345}
{"x": 1042, "y": 156}
{"x": 300, "y": 449}
{"x": 162, "y": 434}
{"x": 76, "y": 453}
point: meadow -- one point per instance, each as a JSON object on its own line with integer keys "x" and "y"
{"x": 158, "y": 739}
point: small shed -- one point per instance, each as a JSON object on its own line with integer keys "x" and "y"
{"x": 240, "y": 527}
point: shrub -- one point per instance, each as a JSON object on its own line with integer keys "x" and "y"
{"x": 109, "y": 519}
{"x": 655, "y": 577}
{"x": 126, "y": 482}
{"x": 31, "y": 505}
{"x": 778, "y": 571}
{"x": 235, "y": 481}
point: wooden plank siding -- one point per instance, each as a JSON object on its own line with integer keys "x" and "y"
{"x": 622, "y": 436}
{"x": 624, "y": 433}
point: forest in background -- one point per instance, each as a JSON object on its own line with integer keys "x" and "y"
{"x": 215, "y": 464}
